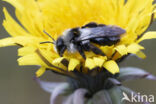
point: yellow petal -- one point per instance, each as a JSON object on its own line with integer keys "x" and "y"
{"x": 111, "y": 66}
{"x": 99, "y": 61}
{"x": 46, "y": 61}
{"x": 27, "y": 40}
{"x": 40, "y": 71}
{"x": 48, "y": 55}
{"x": 121, "y": 49}
{"x": 148, "y": 35}
{"x": 31, "y": 59}
{"x": 11, "y": 26}
{"x": 141, "y": 54}
{"x": 72, "y": 64}
{"x": 134, "y": 48}
{"x": 108, "y": 50}
{"x": 26, "y": 50}
{"x": 7, "y": 42}
{"x": 22, "y": 40}
{"x": 90, "y": 63}
{"x": 57, "y": 60}
{"x": 116, "y": 56}
{"x": 15, "y": 3}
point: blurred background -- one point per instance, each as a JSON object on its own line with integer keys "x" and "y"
{"x": 18, "y": 87}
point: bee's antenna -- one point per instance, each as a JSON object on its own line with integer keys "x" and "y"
{"x": 47, "y": 42}
{"x": 49, "y": 36}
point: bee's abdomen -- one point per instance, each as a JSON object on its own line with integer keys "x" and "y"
{"x": 105, "y": 41}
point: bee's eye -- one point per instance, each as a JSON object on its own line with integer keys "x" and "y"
{"x": 60, "y": 42}
{"x": 60, "y": 46}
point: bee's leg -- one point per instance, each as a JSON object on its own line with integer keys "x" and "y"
{"x": 96, "y": 50}
{"x": 81, "y": 51}
{"x": 85, "y": 45}
{"x": 90, "y": 25}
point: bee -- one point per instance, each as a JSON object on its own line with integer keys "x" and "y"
{"x": 81, "y": 39}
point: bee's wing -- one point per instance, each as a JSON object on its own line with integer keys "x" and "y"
{"x": 100, "y": 32}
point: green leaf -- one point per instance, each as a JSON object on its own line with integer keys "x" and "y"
{"x": 132, "y": 73}
{"x": 79, "y": 96}
{"x": 47, "y": 86}
{"x": 54, "y": 88}
{"x": 59, "y": 90}
{"x": 102, "y": 97}
{"x": 116, "y": 95}
{"x": 69, "y": 99}
{"x": 90, "y": 101}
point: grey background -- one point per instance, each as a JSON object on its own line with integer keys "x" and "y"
{"x": 18, "y": 87}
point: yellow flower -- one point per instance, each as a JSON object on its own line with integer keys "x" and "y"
{"x": 55, "y": 16}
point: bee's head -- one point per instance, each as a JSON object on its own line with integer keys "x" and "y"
{"x": 60, "y": 46}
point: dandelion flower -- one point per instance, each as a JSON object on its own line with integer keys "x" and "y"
{"x": 56, "y": 16}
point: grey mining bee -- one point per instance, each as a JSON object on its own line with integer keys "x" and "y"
{"x": 81, "y": 39}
